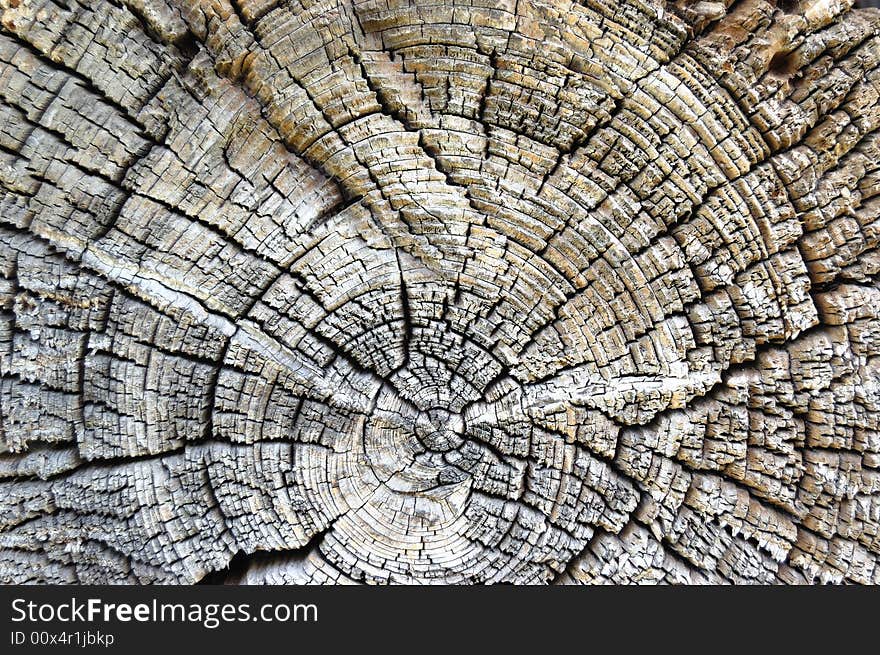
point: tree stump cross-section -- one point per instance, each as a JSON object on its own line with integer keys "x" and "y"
{"x": 439, "y": 291}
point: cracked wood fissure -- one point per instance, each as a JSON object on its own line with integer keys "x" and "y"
{"x": 451, "y": 291}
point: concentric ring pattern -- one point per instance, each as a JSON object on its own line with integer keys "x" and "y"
{"x": 462, "y": 291}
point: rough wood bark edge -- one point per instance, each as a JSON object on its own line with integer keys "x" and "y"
{"x": 439, "y": 291}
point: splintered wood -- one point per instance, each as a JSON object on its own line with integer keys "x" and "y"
{"x": 455, "y": 291}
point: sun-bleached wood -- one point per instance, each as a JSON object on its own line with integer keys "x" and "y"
{"x": 462, "y": 291}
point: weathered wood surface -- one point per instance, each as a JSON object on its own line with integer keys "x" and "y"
{"x": 439, "y": 291}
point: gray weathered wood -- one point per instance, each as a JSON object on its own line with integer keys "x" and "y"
{"x": 461, "y": 291}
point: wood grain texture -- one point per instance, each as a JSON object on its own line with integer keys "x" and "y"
{"x": 460, "y": 291}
